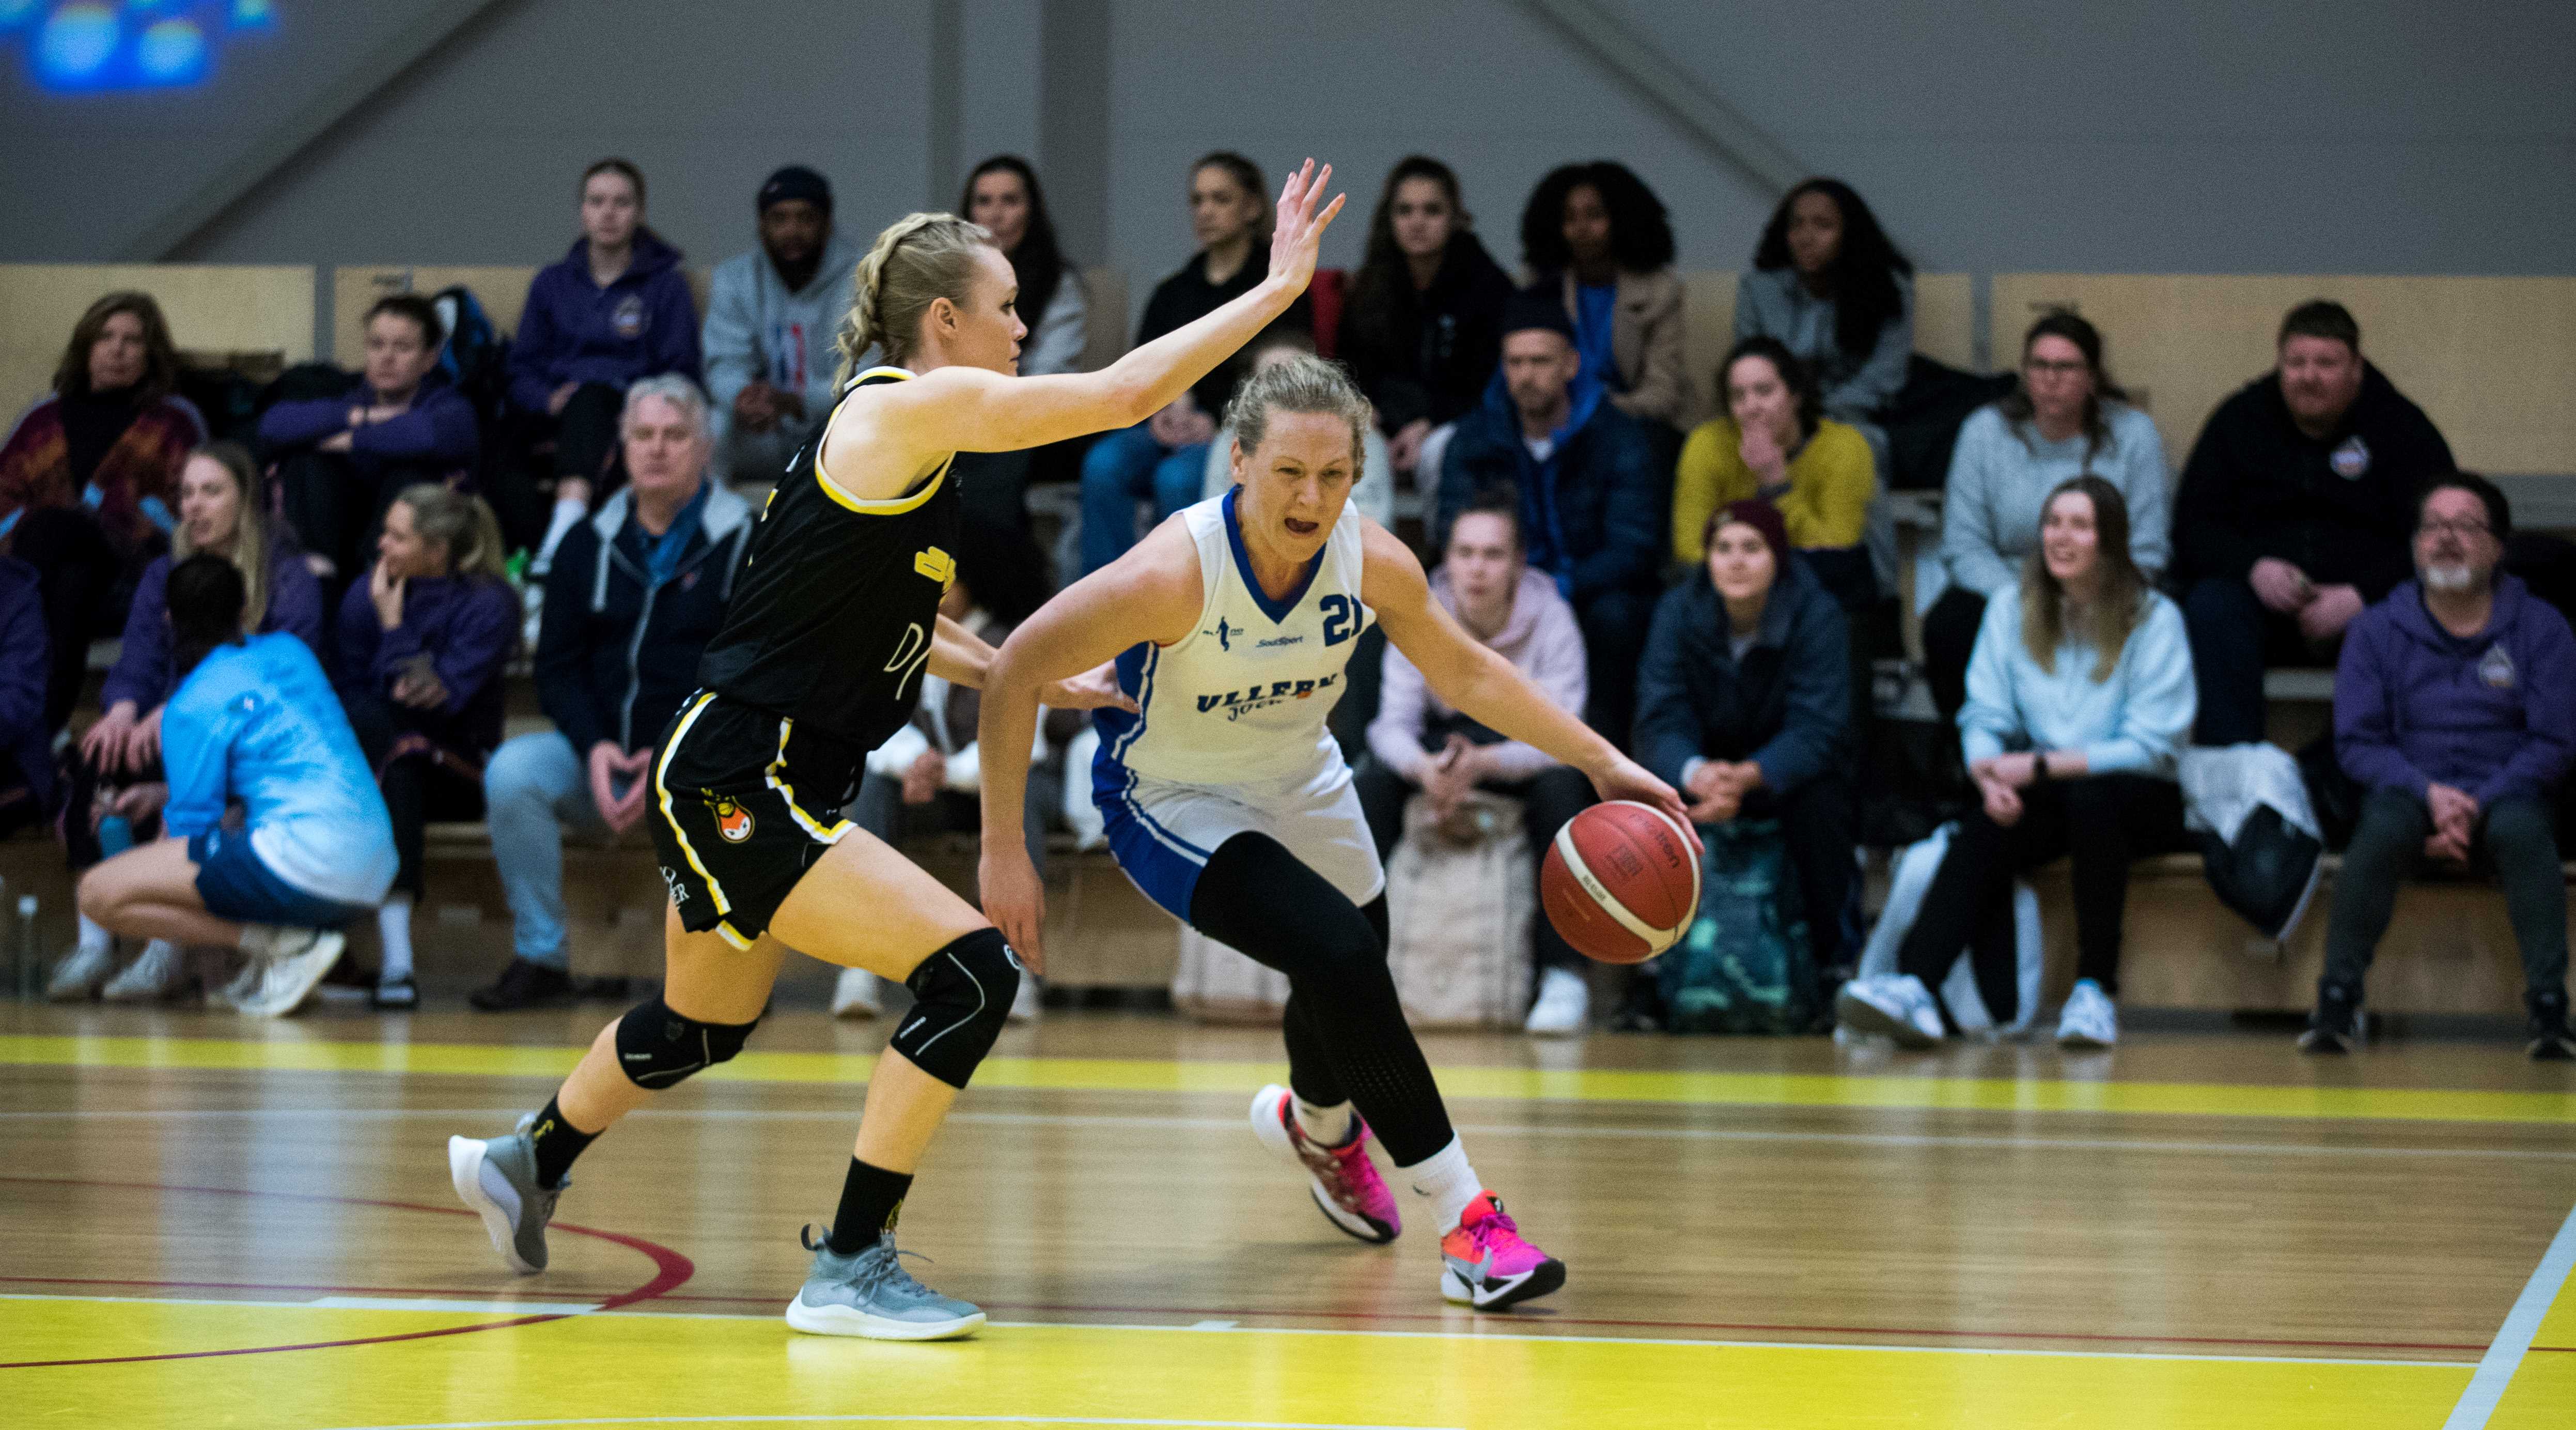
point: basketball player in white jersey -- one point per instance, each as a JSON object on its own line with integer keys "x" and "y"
{"x": 1228, "y": 803}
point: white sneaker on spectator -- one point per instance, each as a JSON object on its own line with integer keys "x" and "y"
{"x": 149, "y": 978}
{"x": 1563, "y": 1006}
{"x": 2090, "y": 1021}
{"x": 293, "y": 967}
{"x": 855, "y": 995}
{"x": 1024, "y": 1004}
{"x": 1899, "y": 1007}
{"x": 77, "y": 978}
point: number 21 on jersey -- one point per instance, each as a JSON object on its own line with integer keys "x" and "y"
{"x": 1342, "y": 618}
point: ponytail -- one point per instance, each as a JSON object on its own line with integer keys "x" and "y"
{"x": 919, "y": 259}
{"x": 463, "y": 524}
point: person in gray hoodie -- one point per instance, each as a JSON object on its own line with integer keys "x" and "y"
{"x": 773, "y": 315}
{"x": 1417, "y": 742}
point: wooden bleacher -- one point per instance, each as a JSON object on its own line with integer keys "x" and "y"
{"x": 2489, "y": 359}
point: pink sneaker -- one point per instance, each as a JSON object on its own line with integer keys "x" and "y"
{"x": 1345, "y": 1182}
{"x": 1485, "y": 1264}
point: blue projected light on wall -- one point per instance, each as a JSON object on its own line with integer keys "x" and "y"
{"x": 87, "y": 46}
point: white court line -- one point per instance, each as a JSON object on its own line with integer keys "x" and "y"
{"x": 1221, "y": 1328}
{"x": 2521, "y": 1324}
{"x": 1228, "y": 1124}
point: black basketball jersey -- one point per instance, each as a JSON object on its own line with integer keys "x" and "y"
{"x": 837, "y": 599}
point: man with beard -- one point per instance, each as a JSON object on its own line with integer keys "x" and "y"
{"x": 772, "y": 316}
{"x": 2455, "y": 707}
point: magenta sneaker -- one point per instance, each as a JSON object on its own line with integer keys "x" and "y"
{"x": 1345, "y": 1182}
{"x": 1485, "y": 1264}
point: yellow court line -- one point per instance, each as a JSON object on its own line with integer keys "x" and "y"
{"x": 1896, "y": 1092}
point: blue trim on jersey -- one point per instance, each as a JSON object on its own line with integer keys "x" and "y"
{"x": 1153, "y": 856}
{"x": 1277, "y": 611}
{"x": 1166, "y": 875}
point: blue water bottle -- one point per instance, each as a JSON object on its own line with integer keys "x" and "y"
{"x": 115, "y": 836}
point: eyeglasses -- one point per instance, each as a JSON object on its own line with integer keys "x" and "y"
{"x": 2461, "y": 529}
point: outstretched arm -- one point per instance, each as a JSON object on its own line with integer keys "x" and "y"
{"x": 1153, "y": 593}
{"x": 1485, "y": 687}
{"x": 975, "y": 410}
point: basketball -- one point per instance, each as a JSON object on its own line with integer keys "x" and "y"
{"x": 1620, "y": 882}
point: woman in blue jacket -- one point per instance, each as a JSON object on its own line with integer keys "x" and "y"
{"x": 421, "y": 645}
{"x": 253, "y": 722}
{"x": 615, "y": 308}
{"x": 2080, "y": 701}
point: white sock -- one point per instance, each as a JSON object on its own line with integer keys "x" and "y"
{"x": 1330, "y": 1126}
{"x": 1447, "y": 1179}
{"x": 567, "y": 514}
{"x": 93, "y": 937}
{"x": 393, "y": 923}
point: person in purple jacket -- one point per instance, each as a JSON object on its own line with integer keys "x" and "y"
{"x": 344, "y": 458}
{"x": 615, "y": 308}
{"x": 116, "y": 767}
{"x": 421, "y": 645}
{"x": 26, "y": 749}
{"x": 2455, "y": 707}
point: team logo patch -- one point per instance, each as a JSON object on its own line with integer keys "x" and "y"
{"x": 631, "y": 318}
{"x": 732, "y": 820}
{"x": 2351, "y": 460}
{"x": 2496, "y": 669}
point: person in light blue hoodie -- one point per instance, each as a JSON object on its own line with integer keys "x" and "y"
{"x": 2080, "y": 701}
{"x": 253, "y": 721}
{"x": 773, "y": 318}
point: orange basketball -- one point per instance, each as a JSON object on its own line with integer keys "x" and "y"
{"x": 1620, "y": 882}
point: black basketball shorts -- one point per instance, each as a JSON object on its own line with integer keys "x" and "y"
{"x": 742, "y": 807}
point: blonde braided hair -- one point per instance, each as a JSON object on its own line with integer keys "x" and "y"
{"x": 919, "y": 259}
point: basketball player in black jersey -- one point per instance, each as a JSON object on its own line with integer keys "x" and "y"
{"x": 834, "y": 619}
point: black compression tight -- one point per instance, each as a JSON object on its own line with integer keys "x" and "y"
{"x": 1347, "y": 1038}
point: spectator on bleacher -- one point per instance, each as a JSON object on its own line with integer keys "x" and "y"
{"x": 1828, "y": 282}
{"x": 2079, "y": 705}
{"x": 1003, "y": 195}
{"x": 1373, "y": 493}
{"x": 253, "y": 723}
{"x": 1744, "y": 705}
{"x": 27, "y": 783}
{"x": 773, "y": 319}
{"x": 89, "y": 478}
{"x": 615, "y": 308}
{"x": 1423, "y": 332}
{"x": 2455, "y": 708}
{"x": 1163, "y": 457}
{"x": 1597, "y": 237}
{"x": 421, "y": 645}
{"x": 1419, "y": 742}
{"x": 1593, "y": 500}
{"x": 2293, "y": 514}
{"x": 2065, "y": 418}
{"x": 926, "y": 778}
{"x": 343, "y": 458}
{"x": 634, "y": 595}
{"x": 1776, "y": 444}
{"x": 219, "y": 514}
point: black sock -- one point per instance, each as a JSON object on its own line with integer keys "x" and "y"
{"x": 556, "y": 1142}
{"x": 871, "y": 1198}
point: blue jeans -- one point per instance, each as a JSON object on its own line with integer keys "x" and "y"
{"x": 1123, "y": 467}
{"x": 533, "y": 787}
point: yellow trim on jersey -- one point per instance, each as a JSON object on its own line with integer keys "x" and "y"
{"x": 726, "y": 932}
{"x": 661, "y": 768}
{"x": 893, "y": 506}
{"x": 814, "y": 827}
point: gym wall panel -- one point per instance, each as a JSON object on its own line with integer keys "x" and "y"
{"x": 211, "y": 308}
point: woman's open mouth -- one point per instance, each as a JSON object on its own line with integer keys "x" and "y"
{"x": 1302, "y": 528}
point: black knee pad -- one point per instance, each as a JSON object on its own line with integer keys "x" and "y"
{"x": 657, "y": 1048}
{"x": 961, "y": 997}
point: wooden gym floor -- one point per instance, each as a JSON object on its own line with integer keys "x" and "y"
{"x": 207, "y": 1222}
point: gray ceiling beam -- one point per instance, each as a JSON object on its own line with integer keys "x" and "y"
{"x": 282, "y": 141}
{"x": 1650, "y": 72}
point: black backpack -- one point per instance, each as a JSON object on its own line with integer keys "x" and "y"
{"x": 1922, "y": 421}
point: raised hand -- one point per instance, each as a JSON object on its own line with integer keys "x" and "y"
{"x": 1301, "y": 227}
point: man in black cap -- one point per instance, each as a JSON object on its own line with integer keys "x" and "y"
{"x": 1594, "y": 502}
{"x": 771, "y": 318}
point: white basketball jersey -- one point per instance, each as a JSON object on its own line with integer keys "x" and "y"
{"x": 1242, "y": 698}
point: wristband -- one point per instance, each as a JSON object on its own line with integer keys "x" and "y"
{"x": 2039, "y": 767}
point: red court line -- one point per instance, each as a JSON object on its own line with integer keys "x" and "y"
{"x": 670, "y": 1271}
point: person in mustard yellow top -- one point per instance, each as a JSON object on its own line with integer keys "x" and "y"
{"x": 1776, "y": 444}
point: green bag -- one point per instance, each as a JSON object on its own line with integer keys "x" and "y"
{"x": 1746, "y": 965}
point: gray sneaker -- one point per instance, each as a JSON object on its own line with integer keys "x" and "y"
{"x": 869, "y": 1294}
{"x": 498, "y": 1179}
